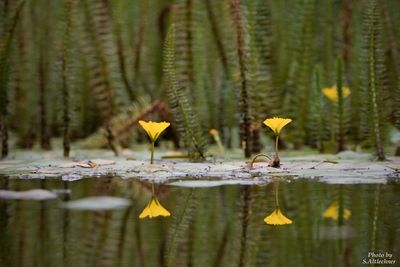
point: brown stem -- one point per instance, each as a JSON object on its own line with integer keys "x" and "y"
{"x": 250, "y": 166}
{"x": 110, "y": 138}
{"x": 244, "y": 98}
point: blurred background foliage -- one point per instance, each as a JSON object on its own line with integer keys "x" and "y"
{"x": 86, "y": 71}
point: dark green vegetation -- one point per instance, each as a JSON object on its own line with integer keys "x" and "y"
{"x": 86, "y": 71}
{"x": 218, "y": 226}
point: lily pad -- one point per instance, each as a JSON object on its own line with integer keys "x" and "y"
{"x": 34, "y": 194}
{"x": 97, "y": 203}
{"x": 205, "y": 183}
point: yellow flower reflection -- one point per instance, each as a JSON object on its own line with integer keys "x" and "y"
{"x": 277, "y": 218}
{"x": 276, "y": 124}
{"x": 332, "y": 93}
{"x": 154, "y": 129}
{"x": 333, "y": 212}
{"x": 154, "y": 209}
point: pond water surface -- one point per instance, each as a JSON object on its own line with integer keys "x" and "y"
{"x": 209, "y": 226}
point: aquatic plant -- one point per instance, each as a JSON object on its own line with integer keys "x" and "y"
{"x": 217, "y": 139}
{"x": 153, "y": 130}
{"x": 243, "y": 83}
{"x": 373, "y": 77}
{"x": 317, "y": 118}
{"x": 65, "y": 88}
{"x": 224, "y": 64}
{"x": 276, "y": 124}
{"x": 185, "y": 116}
{"x": 336, "y": 95}
{"x": 7, "y": 32}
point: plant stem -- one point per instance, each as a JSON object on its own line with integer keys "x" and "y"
{"x": 332, "y": 125}
{"x": 255, "y": 157}
{"x": 152, "y": 152}
{"x": 339, "y": 84}
{"x": 276, "y": 146}
{"x": 276, "y": 194}
{"x": 152, "y": 189}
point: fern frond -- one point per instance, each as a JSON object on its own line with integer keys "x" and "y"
{"x": 265, "y": 98}
{"x": 244, "y": 80}
{"x": 393, "y": 59}
{"x": 316, "y": 122}
{"x": 340, "y": 106}
{"x": 68, "y": 5}
{"x": 122, "y": 124}
{"x": 185, "y": 116}
{"x": 224, "y": 36}
{"x": 183, "y": 21}
{"x": 373, "y": 85}
{"x": 5, "y": 48}
{"x": 304, "y": 62}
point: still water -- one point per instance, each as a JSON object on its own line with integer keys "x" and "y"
{"x": 208, "y": 226}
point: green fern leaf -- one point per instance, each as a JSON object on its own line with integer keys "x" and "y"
{"x": 185, "y": 116}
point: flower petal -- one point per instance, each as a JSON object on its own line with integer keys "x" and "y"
{"x": 332, "y": 93}
{"x": 277, "y": 218}
{"x": 154, "y": 129}
{"x": 276, "y": 124}
{"x": 154, "y": 209}
{"x": 332, "y": 212}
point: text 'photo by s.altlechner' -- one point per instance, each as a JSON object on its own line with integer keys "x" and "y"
{"x": 199, "y": 133}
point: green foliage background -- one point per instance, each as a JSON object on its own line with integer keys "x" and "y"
{"x": 77, "y": 69}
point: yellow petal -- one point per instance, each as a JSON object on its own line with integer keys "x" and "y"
{"x": 332, "y": 93}
{"x": 277, "y": 218}
{"x": 161, "y": 210}
{"x": 346, "y": 213}
{"x": 154, "y": 209}
{"x": 332, "y": 212}
{"x": 146, "y": 212}
{"x": 154, "y": 129}
{"x": 346, "y": 91}
{"x": 276, "y": 124}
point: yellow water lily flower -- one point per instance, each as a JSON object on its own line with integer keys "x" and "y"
{"x": 332, "y": 93}
{"x": 154, "y": 129}
{"x": 333, "y": 212}
{"x": 277, "y": 218}
{"x": 154, "y": 209}
{"x": 276, "y": 124}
